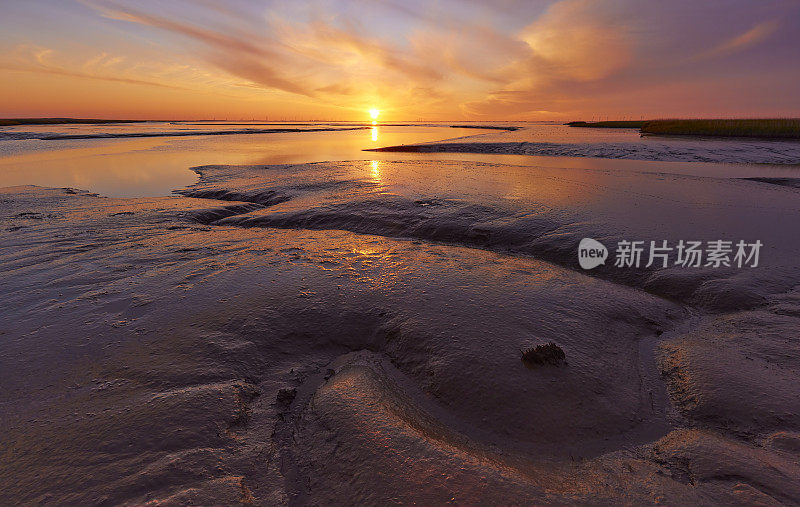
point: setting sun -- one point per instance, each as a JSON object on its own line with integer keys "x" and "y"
{"x": 374, "y": 113}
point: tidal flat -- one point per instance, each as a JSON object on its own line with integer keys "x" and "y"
{"x": 351, "y": 331}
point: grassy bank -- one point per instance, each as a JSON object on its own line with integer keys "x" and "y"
{"x": 608, "y": 124}
{"x": 780, "y": 128}
{"x": 760, "y": 128}
{"x": 5, "y": 122}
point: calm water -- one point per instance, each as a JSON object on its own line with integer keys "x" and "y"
{"x": 151, "y": 166}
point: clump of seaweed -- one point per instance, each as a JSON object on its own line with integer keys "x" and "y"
{"x": 542, "y": 354}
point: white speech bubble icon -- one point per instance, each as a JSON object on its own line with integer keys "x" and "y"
{"x": 591, "y": 253}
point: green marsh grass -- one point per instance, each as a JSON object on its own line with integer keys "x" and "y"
{"x": 787, "y": 128}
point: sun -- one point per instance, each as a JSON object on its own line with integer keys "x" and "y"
{"x": 374, "y": 113}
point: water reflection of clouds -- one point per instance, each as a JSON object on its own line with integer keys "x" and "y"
{"x": 142, "y": 167}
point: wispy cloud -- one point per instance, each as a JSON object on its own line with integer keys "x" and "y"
{"x": 580, "y": 40}
{"x": 520, "y": 58}
{"x": 741, "y": 42}
{"x": 100, "y": 68}
{"x": 316, "y": 59}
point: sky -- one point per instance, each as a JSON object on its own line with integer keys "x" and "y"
{"x": 410, "y": 59}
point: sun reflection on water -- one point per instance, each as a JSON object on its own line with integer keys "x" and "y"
{"x": 376, "y": 170}
{"x": 374, "y": 133}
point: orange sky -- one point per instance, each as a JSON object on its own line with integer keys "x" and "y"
{"x": 448, "y": 60}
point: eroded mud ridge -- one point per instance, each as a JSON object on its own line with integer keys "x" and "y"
{"x": 541, "y": 213}
{"x": 745, "y": 152}
{"x": 351, "y": 332}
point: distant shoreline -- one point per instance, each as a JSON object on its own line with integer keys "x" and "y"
{"x": 750, "y": 128}
{"x": 744, "y": 128}
{"x": 122, "y": 135}
{"x": 608, "y": 124}
{"x": 10, "y": 122}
